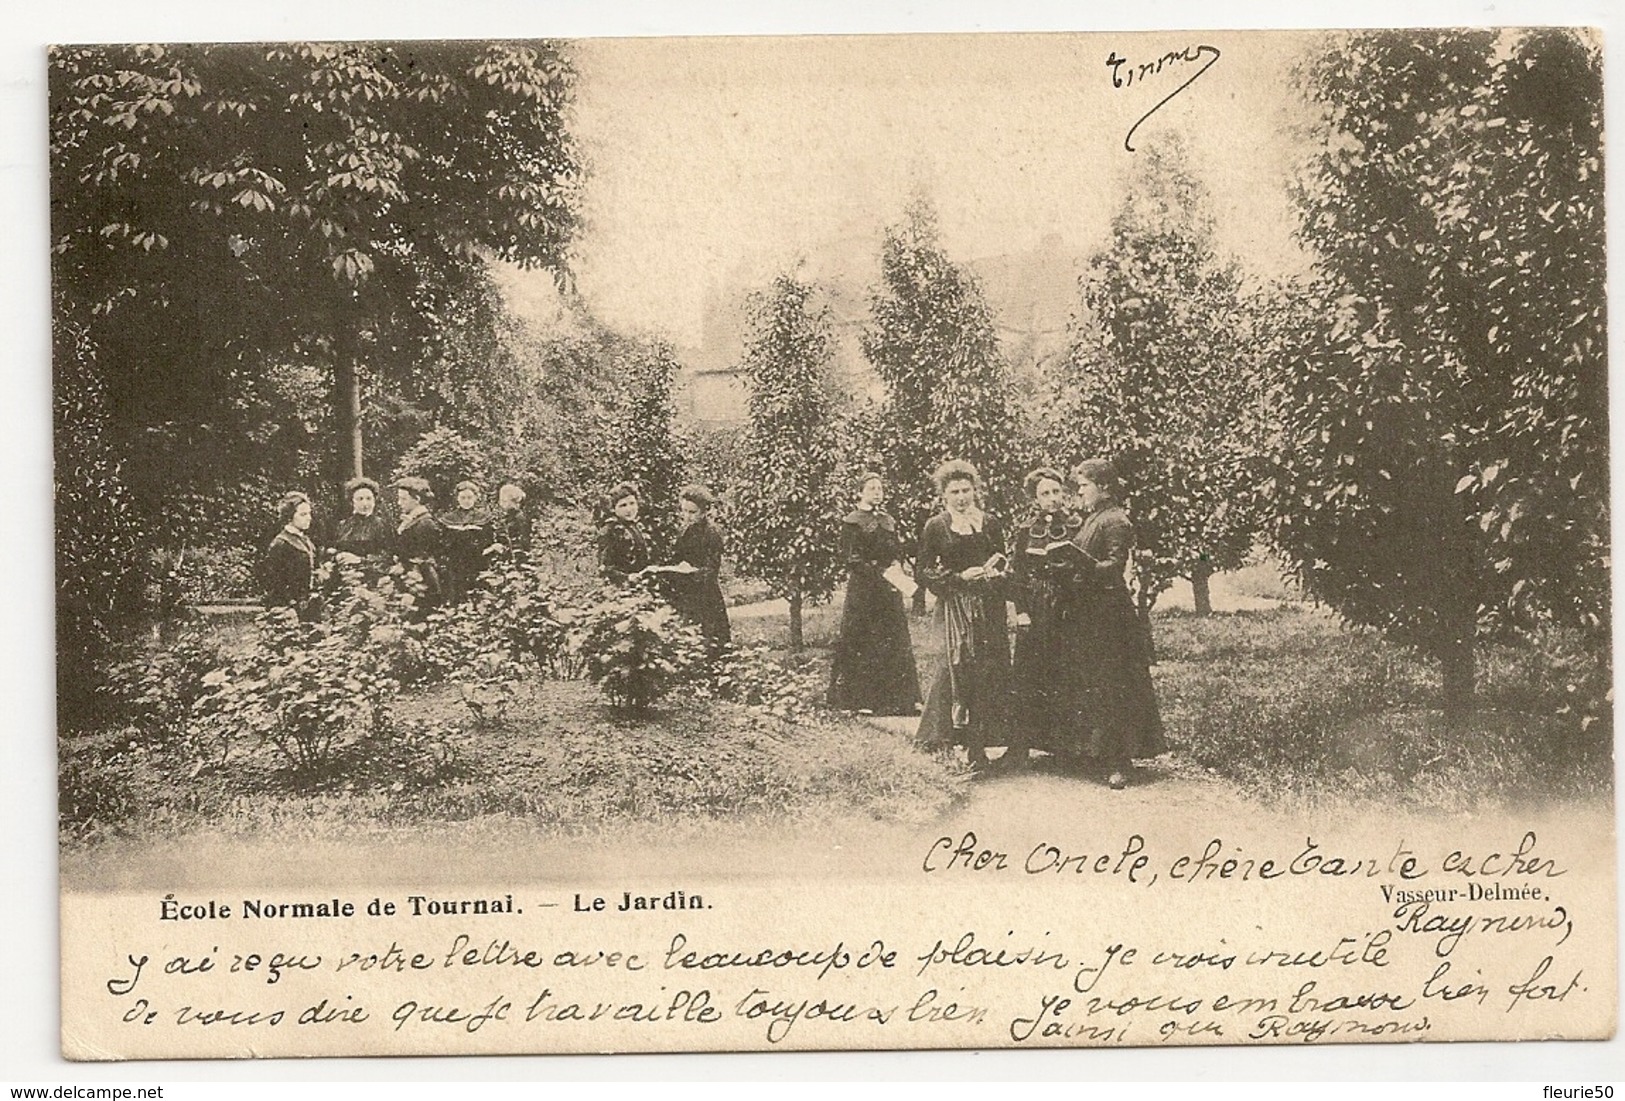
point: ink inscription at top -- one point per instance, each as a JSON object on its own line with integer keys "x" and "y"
{"x": 1191, "y": 62}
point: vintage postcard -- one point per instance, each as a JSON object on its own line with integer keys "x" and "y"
{"x": 832, "y": 543}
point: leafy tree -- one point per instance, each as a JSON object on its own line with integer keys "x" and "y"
{"x": 639, "y": 441}
{"x": 1161, "y": 378}
{"x": 224, "y": 212}
{"x": 787, "y": 496}
{"x": 933, "y": 344}
{"x": 301, "y": 198}
{"x": 1443, "y": 464}
{"x": 444, "y": 458}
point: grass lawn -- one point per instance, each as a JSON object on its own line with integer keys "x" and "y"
{"x": 1287, "y": 703}
{"x": 1295, "y": 706}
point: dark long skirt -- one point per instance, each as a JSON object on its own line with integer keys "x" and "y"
{"x": 873, "y": 669}
{"x": 969, "y": 702}
{"x": 1051, "y": 709}
{"x": 1118, "y": 697}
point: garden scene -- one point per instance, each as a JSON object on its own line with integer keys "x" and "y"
{"x": 1368, "y": 491}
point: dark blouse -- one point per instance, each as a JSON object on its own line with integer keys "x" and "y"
{"x": 944, "y": 553}
{"x": 623, "y": 549}
{"x": 869, "y": 541}
{"x": 511, "y": 527}
{"x": 420, "y": 539}
{"x": 290, "y": 566}
{"x": 699, "y": 595}
{"x": 1044, "y": 573}
{"x": 1107, "y": 538}
{"x": 363, "y": 536}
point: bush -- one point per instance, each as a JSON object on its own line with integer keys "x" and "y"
{"x": 153, "y": 695}
{"x": 749, "y": 674}
{"x": 102, "y": 780}
{"x": 636, "y": 648}
{"x": 213, "y": 575}
{"x": 306, "y": 689}
{"x": 564, "y": 550}
{"x": 444, "y": 458}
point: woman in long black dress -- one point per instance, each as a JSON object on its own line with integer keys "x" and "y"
{"x": 1046, "y": 566}
{"x": 962, "y": 560}
{"x": 468, "y": 534}
{"x": 697, "y": 554}
{"x": 419, "y": 540}
{"x": 363, "y": 533}
{"x": 873, "y": 669}
{"x": 1112, "y": 648}
{"x": 289, "y": 567}
{"x": 623, "y": 549}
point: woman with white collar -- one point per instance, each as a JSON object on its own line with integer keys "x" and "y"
{"x": 962, "y": 560}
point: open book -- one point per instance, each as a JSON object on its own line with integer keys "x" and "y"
{"x": 676, "y": 567}
{"x": 1060, "y": 551}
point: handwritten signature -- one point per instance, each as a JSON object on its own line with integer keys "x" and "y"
{"x": 1126, "y": 75}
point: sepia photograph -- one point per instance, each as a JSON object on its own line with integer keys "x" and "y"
{"x": 831, "y": 542}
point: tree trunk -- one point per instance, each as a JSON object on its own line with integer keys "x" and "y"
{"x": 1143, "y": 603}
{"x": 347, "y": 411}
{"x": 795, "y": 618}
{"x": 1459, "y": 666}
{"x": 1201, "y": 596}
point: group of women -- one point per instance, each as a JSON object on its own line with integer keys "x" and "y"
{"x": 447, "y": 551}
{"x": 1078, "y": 684}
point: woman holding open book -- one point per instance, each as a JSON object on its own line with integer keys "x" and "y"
{"x": 1047, "y": 566}
{"x": 962, "y": 560}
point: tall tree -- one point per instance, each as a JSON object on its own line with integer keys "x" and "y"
{"x": 221, "y": 213}
{"x": 640, "y": 437}
{"x": 1445, "y": 444}
{"x": 932, "y": 342}
{"x": 214, "y": 207}
{"x": 1162, "y": 379}
{"x": 788, "y": 496}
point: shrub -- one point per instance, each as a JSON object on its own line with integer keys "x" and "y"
{"x": 636, "y": 648}
{"x": 444, "y": 458}
{"x": 306, "y": 689}
{"x": 152, "y": 695}
{"x": 101, "y": 780}
{"x": 209, "y": 575}
{"x": 564, "y": 549}
{"x": 749, "y": 674}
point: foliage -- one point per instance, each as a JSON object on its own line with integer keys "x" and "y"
{"x": 636, "y": 648}
{"x": 788, "y": 494}
{"x": 564, "y": 549}
{"x": 305, "y": 689}
{"x": 1294, "y": 705}
{"x": 312, "y": 202}
{"x": 211, "y": 574}
{"x": 639, "y": 443}
{"x": 98, "y": 536}
{"x": 1162, "y": 379}
{"x": 752, "y": 675}
{"x": 933, "y": 344}
{"x": 1444, "y": 453}
{"x": 446, "y": 458}
{"x": 154, "y": 694}
{"x": 714, "y": 455}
